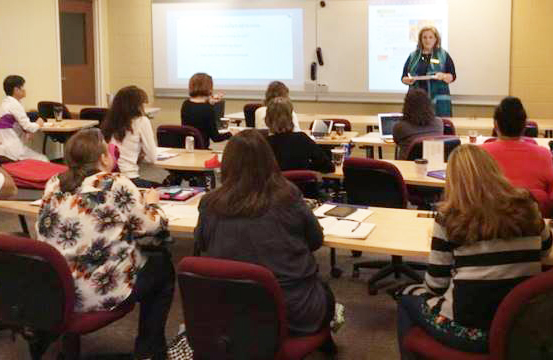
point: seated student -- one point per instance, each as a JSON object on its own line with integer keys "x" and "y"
{"x": 486, "y": 239}
{"x": 293, "y": 150}
{"x": 275, "y": 89}
{"x": 418, "y": 120}
{"x": 12, "y": 132}
{"x": 197, "y": 111}
{"x": 127, "y": 127}
{"x": 526, "y": 165}
{"x": 94, "y": 219}
{"x": 257, "y": 216}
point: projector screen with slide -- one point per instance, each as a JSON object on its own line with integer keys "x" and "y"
{"x": 246, "y": 44}
{"x": 242, "y": 48}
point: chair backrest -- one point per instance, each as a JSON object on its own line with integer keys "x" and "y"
{"x": 415, "y": 151}
{"x": 93, "y": 113}
{"x": 306, "y": 180}
{"x": 449, "y": 127}
{"x": 374, "y": 182}
{"x": 233, "y": 310}
{"x": 174, "y": 136}
{"x": 46, "y": 109}
{"x": 249, "y": 113}
{"x": 347, "y": 124}
{"x": 523, "y": 323}
{"x": 530, "y": 130}
{"x": 31, "y": 270}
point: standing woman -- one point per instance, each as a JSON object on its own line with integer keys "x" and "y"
{"x": 197, "y": 111}
{"x": 431, "y": 59}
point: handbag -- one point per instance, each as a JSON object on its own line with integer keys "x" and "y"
{"x": 179, "y": 348}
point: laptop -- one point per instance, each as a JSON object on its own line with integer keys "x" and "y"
{"x": 386, "y": 124}
{"x": 321, "y": 128}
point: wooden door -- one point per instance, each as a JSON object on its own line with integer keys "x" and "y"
{"x": 77, "y": 52}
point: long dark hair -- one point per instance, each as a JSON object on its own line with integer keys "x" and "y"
{"x": 252, "y": 181}
{"x": 126, "y": 105}
{"x": 417, "y": 108}
{"x": 82, "y": 154}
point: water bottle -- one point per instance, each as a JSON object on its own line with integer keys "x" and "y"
{"x": 189, "y": 144}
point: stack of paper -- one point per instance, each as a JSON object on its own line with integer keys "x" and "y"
{"x": 352, "y": 226}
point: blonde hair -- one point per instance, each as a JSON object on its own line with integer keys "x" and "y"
{"x": 438, "y": 43}
{"x": 480, "y": 203}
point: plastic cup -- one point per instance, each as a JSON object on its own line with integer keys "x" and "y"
{"x": 338, "y": 156}
{"x": 340, "y": 128}
{"x": 473, "y": 136}
{"x": 58, "y": 113}
{"x": 421, "y": 166}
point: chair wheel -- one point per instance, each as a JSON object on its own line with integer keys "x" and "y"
{"x": 355, "y": 273}
{"x": 336, "y": 272}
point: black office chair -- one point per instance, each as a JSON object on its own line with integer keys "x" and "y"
{"x": 46, "y": 109}
{"x": 386, "y": 189}
{"x": 249, "y": 113}
{"x": 93, "y": 113}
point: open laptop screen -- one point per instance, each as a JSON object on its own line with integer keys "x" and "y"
{"x": 321, "y": 128}
{"x": 386, "y": 123}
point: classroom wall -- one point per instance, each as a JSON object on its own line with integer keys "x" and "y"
{"x": 531, "y": 50}
{"x": 29, "y": 47}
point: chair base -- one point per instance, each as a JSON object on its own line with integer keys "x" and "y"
{"x": 396, "y": 267}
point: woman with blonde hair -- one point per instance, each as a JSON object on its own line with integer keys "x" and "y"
{"x": 488, "y": 237}
{"x": 430, "y": 59}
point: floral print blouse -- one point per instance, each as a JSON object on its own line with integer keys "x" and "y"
{"x": 96, "y": 229}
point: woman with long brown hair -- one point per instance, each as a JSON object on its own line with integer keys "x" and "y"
{"x": 276, "y": 89}
{"x": 488, "y": 237}
{"x": 418, "y": 120}
{"x": 257, "y": 216}
{"x": 127, "y": 127}
{"x": 95, "y": 219}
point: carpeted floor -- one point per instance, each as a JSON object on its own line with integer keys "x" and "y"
{"x": 369, "y": 332}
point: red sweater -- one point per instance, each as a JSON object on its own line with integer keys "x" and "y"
{"x": 527, "y": 166}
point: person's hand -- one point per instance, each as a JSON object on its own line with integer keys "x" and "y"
{"x": 234, "y": 130}
{"x": 445, "y": 77}
{"x": 141, "y": 156}
{"x": 408, "y": 80}
{"x": 151, "y": 196}
{"x": 27, "y": 136}
{"x": 39, "y": 122}
{"x": 216, "y": 98}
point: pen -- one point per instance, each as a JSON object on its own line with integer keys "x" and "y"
{"x": 356, "y": 226}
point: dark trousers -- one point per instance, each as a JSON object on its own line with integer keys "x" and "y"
{"x": 409, "y": 315}
{"x": 143, "y": 183}
{"x": 154, "y": 288}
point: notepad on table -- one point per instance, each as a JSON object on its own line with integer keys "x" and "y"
{"x": 164, "y": 154}
{"x": 176, "y": 210}
{"x": 345, "y": 228}
{"x": 438, "y": 174}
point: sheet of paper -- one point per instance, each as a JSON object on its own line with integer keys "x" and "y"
{"x": 164, "y": 154}
{"x": 37, "y": 202}
{"x": 359, "y": 215}
{"x": 175, "y": 210}
{"x": 433, "y": 151}
{"x": 320, "y": 211}
{"x": 423, "y": 77}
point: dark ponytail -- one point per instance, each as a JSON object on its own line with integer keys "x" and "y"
{"x": 82, "y": 154}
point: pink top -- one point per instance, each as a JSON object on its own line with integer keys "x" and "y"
{"x": 527, "y": 166}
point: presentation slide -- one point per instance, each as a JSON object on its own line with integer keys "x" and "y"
{"x": 238, "y": 47}
{"x": 393, "y": 31}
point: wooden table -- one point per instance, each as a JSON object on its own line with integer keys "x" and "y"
{"x": 186, "y": 161}
{"x": 334, "y": 139}
{"x": 67, "y": 126}
{"x": 484, "y": 125}
{"x": 75, "y": 109}
{"x": 397, "y": 231}
{"x": 407, "y": 170}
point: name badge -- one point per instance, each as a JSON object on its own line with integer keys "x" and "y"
{"x": 435, "y": 61}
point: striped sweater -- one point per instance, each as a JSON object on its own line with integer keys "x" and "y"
{"x": 468, "y": 282}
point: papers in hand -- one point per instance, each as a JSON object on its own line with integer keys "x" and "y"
{"x": 423, "y": 77}
{"x": 352, "y": 226}
{"x": 37, "y": 202}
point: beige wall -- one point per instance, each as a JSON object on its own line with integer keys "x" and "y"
{"x": 531, "y": 50}
{"x": 29, "y": 47}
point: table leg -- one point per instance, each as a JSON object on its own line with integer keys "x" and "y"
{"x": 23, "y": 223}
